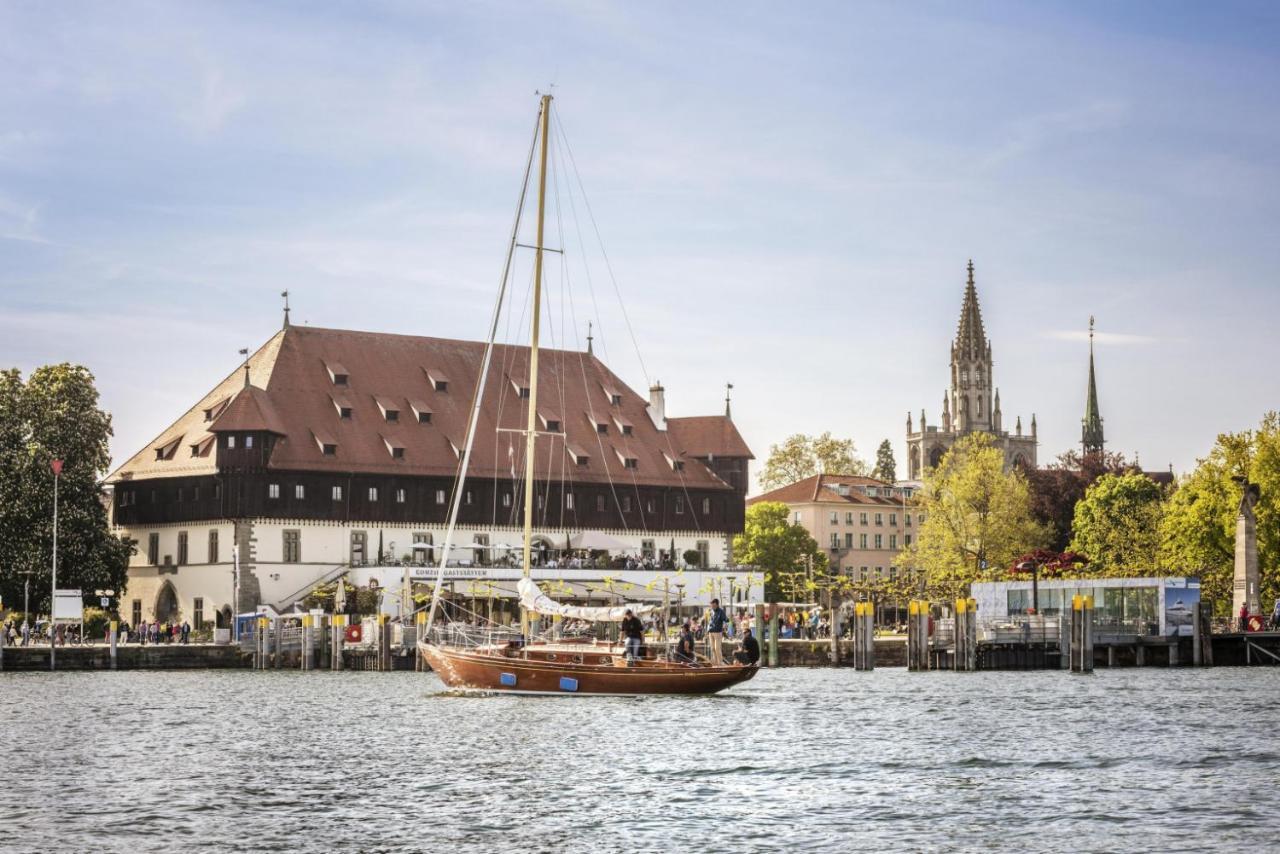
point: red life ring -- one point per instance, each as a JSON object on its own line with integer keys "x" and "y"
{"x": 1255, "y": 624}
{"x": 354, "y": 634}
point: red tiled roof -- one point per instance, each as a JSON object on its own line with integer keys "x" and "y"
{"x": 292, "y": 394}
{"x": 822, "y": 489}
{"x": 707, "y": 436}
{"x": 249, "y": 410}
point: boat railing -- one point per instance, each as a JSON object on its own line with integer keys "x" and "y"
{"x": 470, "y": 636}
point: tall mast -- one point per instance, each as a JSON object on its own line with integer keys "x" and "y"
{"x": 531, "y": 431}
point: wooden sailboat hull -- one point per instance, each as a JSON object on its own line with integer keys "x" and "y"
{"x": 488, "y": 672}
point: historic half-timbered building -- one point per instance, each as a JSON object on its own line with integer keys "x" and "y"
{"x": 330, "y": 449}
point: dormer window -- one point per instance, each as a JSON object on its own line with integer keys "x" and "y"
{"x": 600, "y": 425}
{"x": 624, "y": 426}
{"x": 521, "y": 387}
{"x": 168, "y": 449}
{"x": 394, "y": 448}
{"x": 615, "y": 397}
{"x": 337, "y": 374}
{"x": 627, "y": 461}
{"x": 550, "y": 421}
{"x": 438, "y": 380}
{"x": 214, "y": 411}
{"x": 455, "y": 447}
{"x": 343, "y": 406}
{"x": 327, "y": 444}
{"x": 421, "y": 412}
{"x": 201, "y": 448}
{"x": 579, "y": 457}
{"x": 553, "y": 426}
{"x": 390, "y": 409}
{"x": 676, "y": 465}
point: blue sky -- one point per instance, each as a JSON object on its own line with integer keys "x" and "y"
{"x": 788, "y": 194}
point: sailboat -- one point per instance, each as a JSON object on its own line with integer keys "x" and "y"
{"x": 488, "y": 661}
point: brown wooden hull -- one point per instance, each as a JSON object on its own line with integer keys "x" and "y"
{"x": 513, "y": 673}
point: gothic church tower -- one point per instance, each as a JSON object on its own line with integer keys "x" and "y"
{"x": 971, "y": 392}
{"x": 1091, "y": 439}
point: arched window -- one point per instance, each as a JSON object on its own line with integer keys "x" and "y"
{"x": 166, "y": 603}
{"x": 935, "y": 456}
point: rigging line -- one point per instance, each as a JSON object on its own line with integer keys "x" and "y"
{"x": 582, "y": 368}
{"x": 644, "y": 370}
{"x": 563, "y": 138}
{"x": 478, "y": 397}
{"x": 603, "y": 252}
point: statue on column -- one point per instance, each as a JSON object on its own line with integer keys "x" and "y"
{"x": 1246, "y": 596}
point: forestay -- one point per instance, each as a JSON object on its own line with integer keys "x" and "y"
{"x": 535, "y": 601}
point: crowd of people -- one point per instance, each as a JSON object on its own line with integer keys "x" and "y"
{"x": 155, "y": 632}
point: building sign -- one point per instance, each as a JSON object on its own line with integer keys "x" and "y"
{"x": 68, "y": 606}
{"x": 1181, "y": 603}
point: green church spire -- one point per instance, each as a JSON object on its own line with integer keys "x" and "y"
{"x": 1091, "y": 439}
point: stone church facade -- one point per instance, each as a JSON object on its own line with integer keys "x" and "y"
{"x": 971, "y": 403}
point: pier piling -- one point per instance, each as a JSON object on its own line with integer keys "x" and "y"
{"x": 305, "y": 658}
{"x": 1081, "y": 634}
{"x": 864, "y": 655}
{"x": 335, "y": 630}
{"x": 113, "y": 634}
{"x": 773, "y": 638}
{"x": 917, "y": 635}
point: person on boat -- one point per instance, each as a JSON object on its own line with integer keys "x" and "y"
{"x": 715, "y": 632}
{"x": 684, "y": 646}
{"x": 633, "y": 632}
{"x": 749, "y": 654}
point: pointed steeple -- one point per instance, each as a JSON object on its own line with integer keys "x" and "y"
{"x": 971, "y": 338}
{"x": 728, "y": 387}
{"x": 1091, "y": 438}
{"x": 285, "y": 295}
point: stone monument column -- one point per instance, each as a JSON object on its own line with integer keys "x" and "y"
{"x": 1245, "y": 590}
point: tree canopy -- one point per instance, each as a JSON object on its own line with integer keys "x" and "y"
{"x": 977, "y": 519}
{"x": 1117, "y": 525}
{"x": 886, "y": 466}
{"x": 802, "y": 456}
{"x": 1199, "y": 522}
{"x": 784, "y": 551}
{"x": 1057, "y": 487}
{"x": 55, "y": 415}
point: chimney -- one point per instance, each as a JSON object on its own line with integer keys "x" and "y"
{"x": 658, "y": 405}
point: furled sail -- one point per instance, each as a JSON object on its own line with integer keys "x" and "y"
{"x": 536, "y": 601}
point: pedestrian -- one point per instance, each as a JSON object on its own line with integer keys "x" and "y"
{"x": 749, "y": 654}
{"x": 1244, "y": 617}
{"x": 1275, "y": 617}
{"x": 186, "y": 631}
{"x": 633, "y": 632}
{"x": 715, "y": 633}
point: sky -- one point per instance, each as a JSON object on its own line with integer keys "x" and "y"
{"x": 787, "y": 194}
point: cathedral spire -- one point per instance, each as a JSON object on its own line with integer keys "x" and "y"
{"x": 971, "y": 338}
{"x": 1091, "y": 438}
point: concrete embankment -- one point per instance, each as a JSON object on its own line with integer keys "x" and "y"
{"x": 131, "y": 657}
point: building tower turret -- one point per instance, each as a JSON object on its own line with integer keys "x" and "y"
{"x": 1091, "y": 438}
{"x": 971, "y": 366}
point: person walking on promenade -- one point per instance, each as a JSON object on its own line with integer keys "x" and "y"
{"x": 1244, "y": 617}
{"x": 1275, "y": 617}
{"x": 26, "y": 631}
{"x": 633, "y": 632}
{"x": 715, "y": 633}
{"x": 750, "y": 652}
{"x": 186, "y": 632}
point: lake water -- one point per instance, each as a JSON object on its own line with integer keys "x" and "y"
{"x": 796, "y": 760}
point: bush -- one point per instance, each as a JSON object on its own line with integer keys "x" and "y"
{"x": 692, "y": 557}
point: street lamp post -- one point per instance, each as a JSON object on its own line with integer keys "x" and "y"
{"x": 56, "y": 465}
{"x": 1034, "y": 567}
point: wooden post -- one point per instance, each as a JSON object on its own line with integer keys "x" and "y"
{"x": 915, "y": 661}
{"x": 864, "y": 636}
{"x": 773, "y": 638}
{"x": 305, "y": 658}
{"x": 971, "y": 635}
{"x": 114, "y": 632}
{"x": 259, "y": 644}
{"x": 278, "y": 659}
{"x": 339, "y": 622}
{"x": 384, "y": 643}
{"x": 325, "y": 637}
{"x": 759, "y": 614}
{"x": 420, "y": 635}
{"x": 959, "y": 635}
{"x": 835, "y": 629}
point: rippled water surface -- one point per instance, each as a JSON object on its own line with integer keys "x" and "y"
{"x": 794, "y": 760}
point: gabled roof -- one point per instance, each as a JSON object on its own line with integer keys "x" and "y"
{"x": 707, "y": 436}
{"x": 824, "y": 489}
{"x": 293, "y": 395}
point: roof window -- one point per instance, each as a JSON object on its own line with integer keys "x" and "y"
{"x": 627, "y": 461}
{"x": 343, "y": 406}
{"x": 168, "y": 449}
{"x": 337, "y": 374}
{"x": 214, "y": 411}
{"x": 421, "y": 411}
{"x": 438, "y": 380}
{"x": 202, "y": 448}
{"x": 615, "y": 398}
{"x": 550, "y": 421}
{"x": 676, "y": 465}
{"x": 394, "y": 448}
{"x": 521, "y": 387}
{"x": 579, "y": 458}
{"x": 327, "y": 444}
{"x": 624, "y": 426}
{"x": 390, "y": 409}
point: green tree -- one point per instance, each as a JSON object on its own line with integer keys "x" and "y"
{"x": 886, "y": 467}
{"x": 1117, "y": 525}
{"x": 1198, "y": 530}
{"x": 787, "y": 553}
{"x": 977, "y": 519}
{"x": 802, "y": 456}
{"x": 1057, "y": 487}
{"x": 55, "y": 415}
